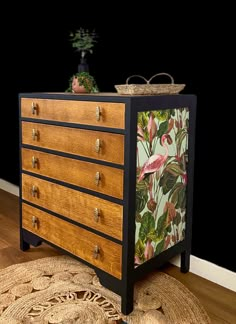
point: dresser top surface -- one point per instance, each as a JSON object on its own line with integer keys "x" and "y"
{"x": 94, "y": 94}
{"x": 109, "y": 97}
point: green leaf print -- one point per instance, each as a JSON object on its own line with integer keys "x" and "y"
{"x": 167, "y": 182}
{"x": 141, "y": 200}
{"x": 178, "y": 195}
{"x": 181, "y": 203}
{"x": 173, "y": 194}
{"x": 168, "y": 229}
{"x": 139, "y": 249}
{"x": 147, "y": 226}
{"x": 180, "y": 137}
{"x": 161, "y": 223}
{"x": 152, "y": 235}
{"x": 162, "y": 129}
{"x": 162, "y": 115}
{"x": 143, "y": 118}
{"x": 159, "y": 247}
{"x": 142, "y": 185}
{"x": 177, "y": 219}
{"x": 174, "y": 169}
{"x": 138, "y": 218}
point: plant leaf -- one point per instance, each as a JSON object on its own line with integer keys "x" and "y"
{"x": 138, "y": 218}
{"x": 147, "y": 226}
{"x": 181, "y": 198}
{"x": 161, "y": 115}
{"x": 139, "y": 249}
{"x": 177, "y": 219}
{"x": 168, "y": 228}
{"x": 174, "y": 169}
{"x": 167, "y": 182}
{"x": 162, "y": 129}
{"x": 173, "y": 194}
{"x": 161, "y": 223}
{"x": 141, "y": 200}
{"x": 159, "y": 247}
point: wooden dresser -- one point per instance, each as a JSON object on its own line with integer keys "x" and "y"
{"x": 108, "y": 179}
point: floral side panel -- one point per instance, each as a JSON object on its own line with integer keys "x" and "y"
{"x": 162, "y": 155}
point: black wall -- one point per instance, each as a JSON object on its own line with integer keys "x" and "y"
{"x": 39, "y": 57}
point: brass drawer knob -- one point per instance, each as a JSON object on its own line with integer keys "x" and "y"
{"x": 34, "y": 191}
{"x": 98, "y": 113}
{"x": 34, "y": 221}
{"x": 98, "y": 145}
{"x": 34, "y": 161}
{"x": 34, "y": 108}
{"x": 35, "y": 134}
{"x": 96, "y": 214}
{"x": 97, "y": 178}
{"x": 96, "y": 251}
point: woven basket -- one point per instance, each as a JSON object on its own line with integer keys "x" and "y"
{"x": 147, "y": 88}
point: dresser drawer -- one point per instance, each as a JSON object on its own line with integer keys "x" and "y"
{"x": 105, "y": 114}
{"x": 92, "y": 176}
{"x": 94, "y": 144}
{"x": 74, "y": 239}
{"x": 102, "y": 215}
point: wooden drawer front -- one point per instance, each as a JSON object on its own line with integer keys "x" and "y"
{"x": 75, "y": 141}
{"x": 74, "y": 239}
{"x": 96, "y": 177}
{"x": 106, "y": 114}
{"x": 102, "y": 215}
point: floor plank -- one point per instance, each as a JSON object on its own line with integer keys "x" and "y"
{"x": 219, "y": 302}
{"x": 11, "y": 255}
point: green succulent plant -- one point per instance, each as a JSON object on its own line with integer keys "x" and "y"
{"x": 83, "y": 40}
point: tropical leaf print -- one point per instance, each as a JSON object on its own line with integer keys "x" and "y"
{"x": 162, "y": 155}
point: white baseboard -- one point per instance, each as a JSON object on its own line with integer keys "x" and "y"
{"x": 210, "y": 271}
{"x": 200, "y": 267}
{"x": 9, "y": 187}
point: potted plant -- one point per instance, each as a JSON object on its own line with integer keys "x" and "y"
{"x": 83, "y": 40}
{"x": 82, "y": 82}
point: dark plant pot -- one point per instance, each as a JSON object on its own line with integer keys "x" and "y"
{"x": 83, "y": 66}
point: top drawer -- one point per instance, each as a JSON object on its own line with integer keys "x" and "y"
{"x": 105, "y": 114}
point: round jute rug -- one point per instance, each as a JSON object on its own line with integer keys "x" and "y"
{"x": 62, "y": 290}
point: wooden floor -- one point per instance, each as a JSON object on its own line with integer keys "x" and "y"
{"x": 219, "y": 302}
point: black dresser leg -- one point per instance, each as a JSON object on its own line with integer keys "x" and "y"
{"x": 24, "y": 245}
{"x": 26, "y": 237}
{"x": 185, "y": 261}
{"x": 127, "y": 300}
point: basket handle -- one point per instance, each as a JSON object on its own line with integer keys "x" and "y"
{"x": 138, "y": 76}
{"x": 163, "y": 73}
{"x": 148, "y": 81}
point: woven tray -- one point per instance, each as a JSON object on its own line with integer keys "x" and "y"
{"x": 149, "y": 89}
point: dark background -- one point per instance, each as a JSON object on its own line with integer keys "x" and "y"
{"x": 37, "y": 56}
